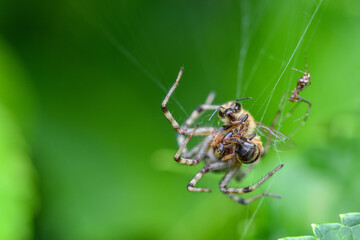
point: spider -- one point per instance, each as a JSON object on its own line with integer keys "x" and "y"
{"x": 224, "y": 149}
{"x": 302, "y": 83}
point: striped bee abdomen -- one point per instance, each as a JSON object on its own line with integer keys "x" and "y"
{"x": 247, "y": 152}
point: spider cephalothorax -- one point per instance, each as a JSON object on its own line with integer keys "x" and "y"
{"x": 302, "y": 83}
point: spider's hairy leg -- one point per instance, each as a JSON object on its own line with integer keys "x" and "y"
{"x": 212, "y": 167}
{"x": 228, "y": 191}
{"x": 250, "y": 200}
{"x": 226, "y": 180}
{"x": 225, "y": 189}
{"x": 292, "y": 110}
{"x": 195, "y": 115}
{"x": 174, "y": 123}
{"x": 227, "y": 157}
{"x": 201, "y": 152}
{"x": 200, "y": 109}
{"x": 193, "y": 151}
{"x": 300, "y": 99}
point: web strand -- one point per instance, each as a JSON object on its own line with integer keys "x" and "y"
{"x": 268, "y": 102}
{"x": 135, "y": 61}
{"x": 245, "y": 22}
{"x": 291, "y": 57}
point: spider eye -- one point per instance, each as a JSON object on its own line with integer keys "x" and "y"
{"x": 221, "y": 114}
{"x": 237, "y": 107}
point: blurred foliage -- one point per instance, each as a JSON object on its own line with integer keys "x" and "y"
{"x": 18, "y": 199}
{"x": 17, "y": 191}
{"x": 86, "y": 104}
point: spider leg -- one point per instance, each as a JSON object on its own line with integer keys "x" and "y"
{"x": 250, "y": 200}
{"x": 308, "y": 109}
{"x": 305, "y": 117}
{"x": 227, "y": 157}
{"x": 212, "y": 167}
{"x": 174, "y": 123}
{"x": 197, "y": 148}
{"x": 228, "y": 191}
{"x": 291, "y": 111}
{"x": 200, "y": 109}
{"x": 288, "y": 114}
{"x": 230, "y": 175}
{"x": 193, "y": 151}
{"x": 194, "y": 115}
{"x": 281, "y": 109}
{"x": 201, "y": 152}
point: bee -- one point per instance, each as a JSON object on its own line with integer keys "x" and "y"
{"x": 238, "y": 133}
{"x": 226, "y": 148}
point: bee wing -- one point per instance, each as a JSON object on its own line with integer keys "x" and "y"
{"x": 278, "y": 140}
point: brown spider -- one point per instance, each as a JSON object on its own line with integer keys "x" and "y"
{"x": 302, "y": 83}
{"x": 225, "y": 148}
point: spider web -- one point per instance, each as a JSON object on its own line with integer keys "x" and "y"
{"x": 247, "y": 32}
{"x": 241, "y": 85}
{"x": 98, "y": 25}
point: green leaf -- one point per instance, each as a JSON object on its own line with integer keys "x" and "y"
{"x": 349, "y": 229}
{"x": 299, "y": 238}
{"x": 350, "y": 219}
{"x": 331, "y": 231}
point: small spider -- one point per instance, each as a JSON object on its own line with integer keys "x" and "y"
{"x": 223, "y": 149}
{"x": 302, "y": 83}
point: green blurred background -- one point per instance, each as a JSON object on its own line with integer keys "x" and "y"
{"x": 86, "y": 153}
